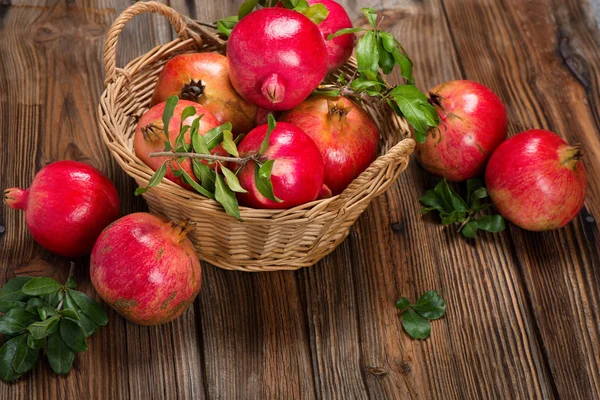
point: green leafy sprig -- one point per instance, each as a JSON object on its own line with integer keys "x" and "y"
{"x": 316, "y": 13}
{"x": 40, "y": 313}
{"x": 454, "y": 209}
{"x": 379, "y": 52}
{"x": 416, "y": 317}
{"x": 218, "y": 183}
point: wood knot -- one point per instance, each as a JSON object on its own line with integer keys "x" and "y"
{"x": 377, "y": 371}
{"x": 398, "y": 227}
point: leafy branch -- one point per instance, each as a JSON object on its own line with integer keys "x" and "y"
{"x": 416, "y": 317}
{"x": 379, "y": 52}
{"x": 454, "y": 209}
{"x": 212, "y": 178}
{"x": 40, "y": 313}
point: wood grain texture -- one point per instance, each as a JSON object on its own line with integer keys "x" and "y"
{"x": 523, "y": 315}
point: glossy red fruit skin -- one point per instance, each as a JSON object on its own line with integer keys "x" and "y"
{"x": 536, "y": 180}
{"x": 276, "y": 58}
{"x": 297, "y": 174}
{"x": 146, "y": 269}
{"x": 204, "y": 78}
{"x": 347, "y": 139}
{"x": 67, "y": 206}
{"x": 149, "y": 142}
{"x": 473, "y": 124}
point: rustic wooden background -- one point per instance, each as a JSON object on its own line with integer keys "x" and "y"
{"x": 523, "y": 315}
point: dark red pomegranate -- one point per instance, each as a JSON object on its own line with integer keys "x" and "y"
{"x": 67, "y": 206}
{"x": 276, "y": 58}
{"x": 345, "y": 134}
{"x": 473, "y": 124}
{"x": 536, "y": 180}
{"x": 204, "y": 78}
{"x": 146, "y": 268}
{"x": 297, "y": 174}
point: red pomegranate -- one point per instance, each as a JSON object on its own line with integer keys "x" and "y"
{"x": 204, "y": 78}
{"x": 536, "y": 180}
{"x": 150, "y": 137}
{"x": 67, "y": 206}
{"x": 276, "y": 58}
{"x": 146, "y": 268}
{"x": 473, "y": 125}
{"x": 297, "y": 174}
{"x": 345, "y": 134}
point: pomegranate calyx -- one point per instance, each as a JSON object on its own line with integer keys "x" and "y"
{"x": 153, "y": 132}
{"x": 273, "y": 89}
{"x": 571, "y": 155}
{"x": 181, "y": 229}
{"x": 338, "y": 109}
{"x": 193, "y": 90}
{"x": 435, "y": 99}
{"x": 16, "y": 198}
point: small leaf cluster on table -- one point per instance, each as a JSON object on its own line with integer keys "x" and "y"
{"x": 454, "y": 209}
{"x": 416, "y": 317}
{"x": 40, "y": 313}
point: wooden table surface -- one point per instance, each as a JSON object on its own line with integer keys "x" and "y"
{"x": 523, "y": 316}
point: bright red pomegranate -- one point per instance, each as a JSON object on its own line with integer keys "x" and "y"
{"x": 67, "y": 206}
{"x": 150, "y": 137}
{"x": 146, "y": 268}
{"x": 473, "y": 125}
{"x": 276, "y": 58}
{"x": 204, "y": 78}
{"x": 297, "y": 174}
{"x": 345, "y": 134}
{"x": 536, "y": 180}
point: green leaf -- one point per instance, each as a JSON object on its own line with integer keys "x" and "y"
{"x": 239, "y": 138}
{"x": 491, "y": 223}
{"x": 72, "y": 335}
{"x": 187, "y": 112}
{"x": 415, "y": 325}
{"x": 262, "y": 179}
{"x": 199, "y": 143}
{"x": 316, "y": 13}
{"x": 16, "y": 321}
{"x": 39, "y": 330}
{"x": 214, "y": 137}
{"x": 432, "y": 200}
{"x": 344, "y": 31}
{"x": 402, "y": 303}
{"x": 329, "y": 93}
{"x": 69, "y": 313}
{"x": 371, "y": 15}
{"x": 53, "y": 299}
{"x": 449, "y": 219}
{"x": 469, "y": 230}
{"x": 12, "y": 290}
{"x": 367, "y": 55}
{"x": 361, "y": 83}
{"x": 89, "y": 307}
{"x": 430, "y": 305}
{"x": 406, "y": 65}
{"x": 188, "y": 179}
{"x": 229, "y": 145}
{"x": 205, "y": 174}
{"x": 39, "y": 306}
{"x": 6, "y": 306}
{"x": 246, "y": 8}
{"x": 154, "y": 180}
{"x": 36, "y": 344}
{"x": 226, "y": 25}
{"x": 41, "y": 286}
{"x": 71, "y": 284}
{"x": 60, "y": 356}
{"x": 416, "y": 109}
{"x": 168, "y": 113}
{"x": 444, "y": 193}
{"x": 87, "y": 325}
{"x": 180, "y": 145}
{"x": 264, "y": 145}
{"x": 7, "y": 356}
{"x": 386, "y": 60}
{"x": 232, "y": 181}
{"x": 226, "y": 197}
{"x": 25, "y": 356}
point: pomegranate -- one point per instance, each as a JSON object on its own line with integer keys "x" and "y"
{"x": 345, "y": 134}
{"x": 67, "y": 206}
{"x": 473, "y": 125}
{"x": 146, "y": 268}
{"x": 536, "y": 180}
{"x": 204, "y": 78}
{"x": 276, "y": 58}
{"x": 150, "y": 137}
{"x": 297, "y": 173}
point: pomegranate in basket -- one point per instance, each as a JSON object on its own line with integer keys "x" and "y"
{"x": 204, "y": 78}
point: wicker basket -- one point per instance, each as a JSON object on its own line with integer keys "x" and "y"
{"x": 266, "y": 240}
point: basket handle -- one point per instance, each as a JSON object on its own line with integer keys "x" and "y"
{"x": 185, "y": 28}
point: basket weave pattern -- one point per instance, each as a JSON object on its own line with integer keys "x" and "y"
{"x": 266, "y": 240}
